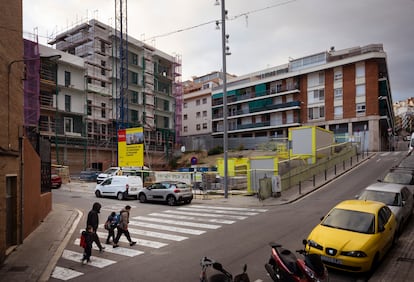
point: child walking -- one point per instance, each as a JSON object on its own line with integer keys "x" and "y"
{"x": 110, "y": 225}
{"x": 86, "y": 243}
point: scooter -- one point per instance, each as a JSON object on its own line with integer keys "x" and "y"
{"x": 283, "y": 265}
{"x": 223, "y": 275}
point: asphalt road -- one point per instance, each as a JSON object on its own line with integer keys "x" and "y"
{"x": 244, "y": 241}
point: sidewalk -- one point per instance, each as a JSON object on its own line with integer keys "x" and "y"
{"x": 36, "y": 258}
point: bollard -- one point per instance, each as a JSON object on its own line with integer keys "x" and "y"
{"x": 314, "y": 180}
{"x": 343, "y": 164}
{"x": 351, "y": 161}
{"x": 325, "y": 174}
{"x": 300, "y": 187}
{"x": 335, "y": 169}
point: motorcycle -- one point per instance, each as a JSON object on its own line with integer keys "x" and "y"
{"x": 223, "y": 275}
{"x": 284, "y": 265}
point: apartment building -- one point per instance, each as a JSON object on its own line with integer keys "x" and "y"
{"x": 149, "y": 100}
{"x": 196, "y": 113}
{"x": 346, "y": 91}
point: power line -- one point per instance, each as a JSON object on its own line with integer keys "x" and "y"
{"x": 245, "y": 14}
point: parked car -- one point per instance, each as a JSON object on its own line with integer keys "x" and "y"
{"x": 171, "y": 192}
{"x": 354, "y": 236}
{"x": 89, "y": 175}
{"x": 116, "y": 170}
{"x": 400, "y": 176}
{"x": 56, "y": 181}
{"x": 107, "y": 173}
{"x": 119, "y": 186}
{"x": 396, "y": 196}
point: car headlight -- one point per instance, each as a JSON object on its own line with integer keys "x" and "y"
{"x": 315, "y": 245}
{"x": 356, "y": 254}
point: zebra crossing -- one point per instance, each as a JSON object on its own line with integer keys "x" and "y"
{"x": 154, "y": 230}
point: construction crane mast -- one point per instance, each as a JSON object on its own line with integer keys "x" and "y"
{"x": 121, "y": 63}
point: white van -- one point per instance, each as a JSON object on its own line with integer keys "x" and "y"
{"x": 411, "y": 144}
{"x": 119, "y": 186}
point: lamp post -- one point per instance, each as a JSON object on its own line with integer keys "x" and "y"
{"x": 9, "y": 70}
{"x": 225, "y": 52}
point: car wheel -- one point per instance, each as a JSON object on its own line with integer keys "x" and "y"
{"x": 142, "y": 198}
{"x": 375, "y": 262}
{"x": 98, "y": 194}
{"x": 187, "y": 201}
{"x": 171, "y": 200}
{"x": 120, "y": 196}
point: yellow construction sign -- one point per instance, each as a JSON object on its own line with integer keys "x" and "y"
{"x": 131, "y": 147}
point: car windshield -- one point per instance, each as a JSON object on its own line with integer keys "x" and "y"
{"x": 350, "y": 220}
{"x": 110, "y": 170}
{"x": 399, "y": 178}
{"x": 388, "y": 198}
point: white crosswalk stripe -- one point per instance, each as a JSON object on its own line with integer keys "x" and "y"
{"x": 176, "y": 222}
{"x": 162, "y": 228}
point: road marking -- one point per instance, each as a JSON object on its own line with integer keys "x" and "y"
{"x": 140, "y": 242}
{"x": 185, "y": 217}
{"x": 201, "y": 209}
{"x": 230, "y": 208}
{"x": 206, "y": 214}
{"x": 157, "y": 234}
{"x": 176, "y": 222}
{"x": 168, "y": 228}
{"x": 95, "y": 261}
{"x": 119, "y": 251}
{"x": 65, "y": 274}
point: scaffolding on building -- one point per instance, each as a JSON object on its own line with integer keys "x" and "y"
{"x": 178, "y": 94}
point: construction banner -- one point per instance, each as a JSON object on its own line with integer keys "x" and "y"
{"x": 131, "y": 147}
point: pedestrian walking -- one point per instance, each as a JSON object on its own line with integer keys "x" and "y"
{"x": 86, "y": 243}
{"x": 93, "y": 220}
{"x": 122, "y": 227}
{"x": 110, "y": 225}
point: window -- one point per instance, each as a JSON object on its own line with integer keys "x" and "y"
{"x": 103, "y": 130}
{"x": 134, "y": 78}
{"x": 338, "y": 93}
{"x": 198, "y": 115}
{"x": 103, "y": 71}
{"x": 103, "y": 110}
{"x": 166, "y": 122}
{"x": 103, "y": 63}
{"x": 315, "y": 79}
{"x": 185, "y": 117}
{"x": 67, "y": 79}
{"x": 185, "y": 105}
{"x": 204, "y": 100}
{"x": 204, "y": 113}
{"x": 338, "y": 111}
{"x": 103, "y": 84}
{"x": 67, "y": 103}
{"x": 134, "y": 97}
{"x": 338, "y": 75}
{"x": 316, "y": 113}
{"x": 360, "y": 90}
{"x": 360, "y": 108}
{"x": 204, "y": 125}
{"x": 89, "y": 108}
{"x": 198, "y": 126}
{"x": 102, "y": 46}
{"x": 197, "y": 102}
{"x": 134, "y": 115}
{"x": 185, "y": 128}
{"x": 166, "y": 105}
{"x": 68, "y": 124}
{"x": 317, "y": 95}
{"x": 360, "y": 70}
{"x": 134, "y": 59}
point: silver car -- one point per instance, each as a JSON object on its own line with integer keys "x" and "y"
{"x": 171, "y": 192}
{"x": 396, "y": 196}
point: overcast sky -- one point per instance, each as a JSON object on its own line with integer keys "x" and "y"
{"x": 262, "y": 33}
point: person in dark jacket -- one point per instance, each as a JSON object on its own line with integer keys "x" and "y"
{"x": 122, "y": 227}
{"x": 93, "y": 220}
{"x": 87, "y": 249}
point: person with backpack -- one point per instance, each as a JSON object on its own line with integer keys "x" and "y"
{"x": 110, "y": 225}
{"x": 86, "y": 243}
{"x": 122, "y": 227}
{"x": 93, "y": 220}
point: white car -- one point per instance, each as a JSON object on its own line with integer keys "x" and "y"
{"x": 396, "y": 196}
{"x": 119, "y": 186}
{"x": 109, "y": 172}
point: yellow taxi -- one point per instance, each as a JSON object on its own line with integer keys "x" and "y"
{"x": 354, "y": 236}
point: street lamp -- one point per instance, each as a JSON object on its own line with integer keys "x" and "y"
{"x": 9, "y": 70}
{"x": 225, "y": 52}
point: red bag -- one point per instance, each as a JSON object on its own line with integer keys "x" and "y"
{"x": 82, "y": 241}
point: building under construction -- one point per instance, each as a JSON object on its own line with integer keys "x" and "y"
{"x": 151, "y": 99}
